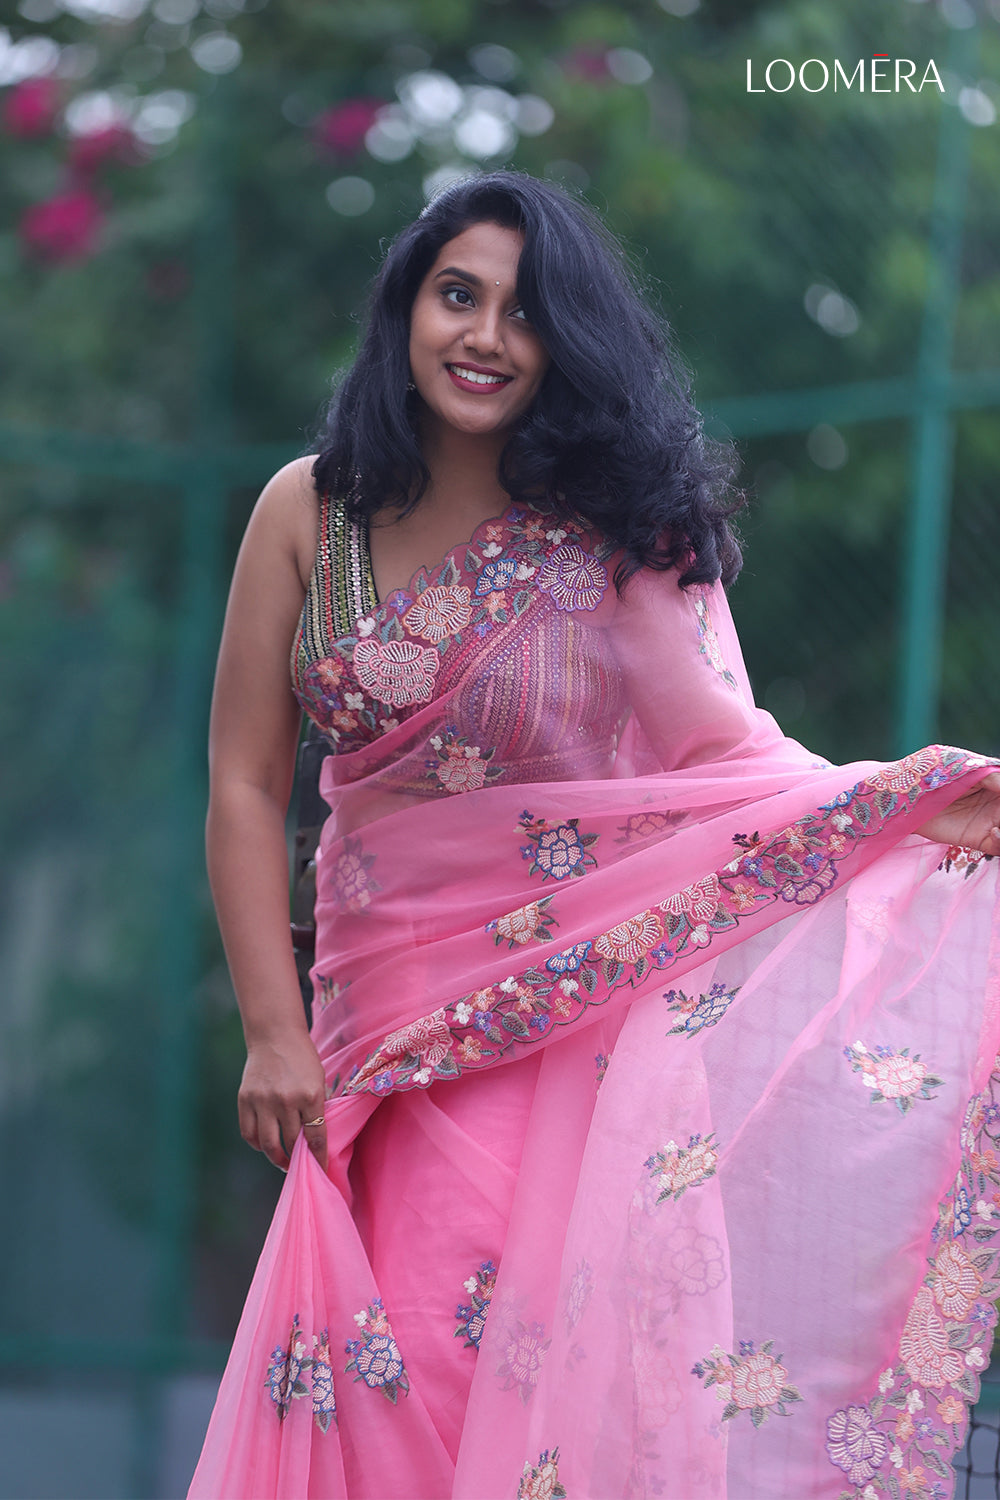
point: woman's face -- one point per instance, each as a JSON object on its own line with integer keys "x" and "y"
{"x": 476, "y": 361}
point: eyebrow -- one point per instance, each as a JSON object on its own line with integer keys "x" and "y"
{"x": 455, "y": 271}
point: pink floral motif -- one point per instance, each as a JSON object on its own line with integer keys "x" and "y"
{"x": 924, "y": 1348}
{"x": 541, "y": 1481}
{"x": 680, "y": 1167}
{"x": 630, "y": 940}
{"x": 755, "y": 1381}
{"x": 525, "y": 924}
{"x": 956, "y": 1281}
{"x": 350, "y": 880}
{"x": 462, "y": 770}
{"x": 708, "y": 641}
{"x": 698, "y": 901}
{"x": 903, "y": 775}
{"x": 574, "y": 578}
{"x": 891, "y": 1075}
{"x": 693, "y": 1263}
{"x": 439, "y": 612}
{"x": 524, "y": 1350}
{"x": 429, "y": 1038}
{"x": 396, "y": 672}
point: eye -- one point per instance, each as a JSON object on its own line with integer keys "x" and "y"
{"x": 519, "y": 312}
{"x": 451, "y": 292}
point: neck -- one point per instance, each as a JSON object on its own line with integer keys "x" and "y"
{"x": 463, "y": 468}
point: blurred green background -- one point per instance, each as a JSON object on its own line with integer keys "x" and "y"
{"x": 194, "y": 196}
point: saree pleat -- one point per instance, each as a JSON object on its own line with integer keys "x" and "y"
{"x": 662, "y": 1072}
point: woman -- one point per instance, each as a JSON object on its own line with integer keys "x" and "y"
{"x": 640, "y": 1145}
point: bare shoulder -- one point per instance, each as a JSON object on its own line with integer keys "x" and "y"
{"x": 287, "y": 513}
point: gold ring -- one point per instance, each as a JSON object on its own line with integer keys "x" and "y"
{"x": 308, "y": 1124}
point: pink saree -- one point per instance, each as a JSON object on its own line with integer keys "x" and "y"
{"x": 662, "y": 1067}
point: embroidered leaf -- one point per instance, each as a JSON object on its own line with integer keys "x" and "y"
{"x": 588, "y": 979}
{"x": 495, "y": 1034}
{"x": 967, "y": 1384}
{"x": 758, "y": 1414}
{"x": 730, "y": 1409}
{"x": 447, "y": 1067}
{"x": 885, "y": 802}
{"x": 515, "y": 1023}
{"x": 936, "y": 1462}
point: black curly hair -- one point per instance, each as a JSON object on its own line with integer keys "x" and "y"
{"x": 612, "y": 436}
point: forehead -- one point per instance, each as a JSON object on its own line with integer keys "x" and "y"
{"x": 489, "y": 250}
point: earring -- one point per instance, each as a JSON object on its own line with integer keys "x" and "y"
{"x": 410, "y": 385}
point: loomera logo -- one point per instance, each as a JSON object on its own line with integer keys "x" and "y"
{"x": 880, "y": 74}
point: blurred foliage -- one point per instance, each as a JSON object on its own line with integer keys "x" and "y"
{"x": 194, "y": 195}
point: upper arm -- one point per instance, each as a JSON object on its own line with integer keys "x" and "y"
{"x": 255, "y": 716}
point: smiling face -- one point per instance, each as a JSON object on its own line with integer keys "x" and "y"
{"x": 475, "y": 360}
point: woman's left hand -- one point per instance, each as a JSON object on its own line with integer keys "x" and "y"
{"x": 971, "y": 821}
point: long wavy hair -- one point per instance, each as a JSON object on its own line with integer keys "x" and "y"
{"x": 612, "y": 436}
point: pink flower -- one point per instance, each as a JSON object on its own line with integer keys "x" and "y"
{"x": 757, "y": 1381}
{"x": 461, "y": 772}
{"x": 439, "y": 612}
{"x": 630, "y": 940}
{"x": 951, "y": 1410}
{"x": 693, "y": 1262}
{"x": 64, "y": 228}
{"x": 854, "y": 1443}
{"x": 924, "y": 1348}
{"x": 115, "y": 144}
{"x": 956, "y": 1281}
{"x": 341, "y": 130}
{"x": 744, "y": 896}
{"x": 429, "y": 1038}
{"x": 522, "y": 925}
{"x": 30, "y": 107}
{"x": 680, "y": 1168}
{"x": 898, "y": 1077}
{"x": 902, "y": 775}
{"x": 698, "y": 902}
{"x": 574, "y": 578}
{"x": 396, "y": 672}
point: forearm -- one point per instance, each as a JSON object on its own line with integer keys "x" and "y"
{"x": 248, "y": 871}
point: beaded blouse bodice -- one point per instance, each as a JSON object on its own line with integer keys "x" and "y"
{"x": 503, "y": 637}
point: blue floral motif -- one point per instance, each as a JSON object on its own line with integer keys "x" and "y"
{"x": 284, "y": 1373}
{"x": 375, "y": 1354}
{"x": 557, "y": 850}
{"x": 324, "y": 1402}
{"x": 568, "y": 961}
{"x": 496, "y": 575}
{"x": 471, "y": 1315}
{"x": 707, "y": 1010}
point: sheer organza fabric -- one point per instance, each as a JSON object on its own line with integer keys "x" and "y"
{"x": 661, "y": 1058}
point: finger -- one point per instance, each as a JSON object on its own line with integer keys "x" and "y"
{"x": 270, "y": 1142}
{"x": 248, "y": 1124}
{"x": 314, "y": 1131}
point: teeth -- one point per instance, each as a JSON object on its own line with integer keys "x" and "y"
{"x": 475, "y": 376}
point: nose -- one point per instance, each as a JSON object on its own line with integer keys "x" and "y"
{"x": 485, "y": 331}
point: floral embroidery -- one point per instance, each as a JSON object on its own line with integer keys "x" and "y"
{"x": 601, "y": 1062}
{"x": 893, "y": 1075}
{"x": 284, "y": 1373}
{"x": 906, "y": 774}
{"x": 324, "y": 1402}
{"x": 541, "y": 1481}
{"x": 524, "y": 1350}
{"x": 497, "y": 575}
{"x": 556, "y": 850}
{"x": 570, "y": 960}
{"x": 396, "y": 672}
{"x": 472, "y": 1315}
{"x": 438, "y": 613}
{"x": 755, "y": 1381}
{"x": 527, "y": 923}
{"x": 574, "y": 578}
{"x": 681, "y": 1167}
{"x": 630, "y": 941}
{"x": 581, "y": 1289}
{"x": 701, "y": 1010}
{"x": 693, "y": 1263}
{"x": 422, "y": 1050}
{"x": 645, "y": 824}
{"x": 350, "y": 881}
{"x": 960, "y": 858}
{"x": 798, "y": 864}
{"x": 913, "y": 1422}
{"x": 708, "y": 641}
{"x": 460, "y": 766}
{"x": 854, "y": 1443}
{"x": 375, "y": 1354}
